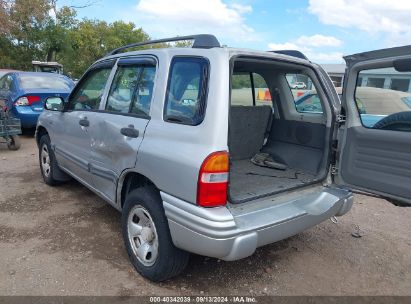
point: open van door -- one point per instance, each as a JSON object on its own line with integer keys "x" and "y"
{"x": 375, "y": 130}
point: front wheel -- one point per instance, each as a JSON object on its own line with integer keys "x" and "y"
{"x": 147, "y": 236}
{"x": 48, "y": 164}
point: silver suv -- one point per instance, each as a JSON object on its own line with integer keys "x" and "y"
{"x": 203, "y": 149}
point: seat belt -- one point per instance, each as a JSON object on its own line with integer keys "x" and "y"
{"x": 277, "y": 102}
{"x": 268, "y": 128}
{"x": 270, "y": 120}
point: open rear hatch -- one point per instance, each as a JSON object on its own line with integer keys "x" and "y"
{"x": 375, "y": 149}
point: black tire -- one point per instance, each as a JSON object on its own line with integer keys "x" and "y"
{"x": 13, "y": 143}
{"x": 400, "y": 121}
{"x": 170, "y": 260}
{"x": 48, "y": 177}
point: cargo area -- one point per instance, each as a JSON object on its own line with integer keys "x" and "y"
{"x": 273, "y": 148}
{"x": 251, "y": 181}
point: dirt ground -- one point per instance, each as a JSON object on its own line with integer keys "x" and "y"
{"x": 66, "y": 241}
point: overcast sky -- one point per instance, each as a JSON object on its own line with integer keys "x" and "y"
{"x": 324, "y": 30}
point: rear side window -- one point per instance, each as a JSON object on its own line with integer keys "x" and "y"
{"x": 132, "y": 90}
{"x": 249, "y": 89}
{"x": 304, "y": 93}
{"x": 262, "y": 93}
{"x": 187, "y": 91}
{"x": 241, "y": 90}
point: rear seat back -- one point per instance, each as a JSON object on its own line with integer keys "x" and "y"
{"x": 247, "y": 130}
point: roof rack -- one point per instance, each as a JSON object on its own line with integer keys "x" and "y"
{"x": 202, "y": 41}
{"x": 293, "y": 53}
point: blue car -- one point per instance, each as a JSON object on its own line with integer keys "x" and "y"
{"x": 309, "y": 102}
{"x": 24, "y": 93}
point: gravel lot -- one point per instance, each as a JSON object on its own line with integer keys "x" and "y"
{"x": 66, "y": 241}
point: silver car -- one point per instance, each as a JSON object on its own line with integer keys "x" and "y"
{"x": 203, "y": 150}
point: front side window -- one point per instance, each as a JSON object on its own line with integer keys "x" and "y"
{"x": 383, "y": 98}
{"x": 132, "y": 90}
{"x": 88, "y": 94}
{"x": 186, "y": 91}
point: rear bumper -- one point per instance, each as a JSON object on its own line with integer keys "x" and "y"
{"x": 27, "y": 116}
{"x": 235, "y": 234}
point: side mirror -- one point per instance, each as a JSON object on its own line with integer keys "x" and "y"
{"x": 54, "y": 104}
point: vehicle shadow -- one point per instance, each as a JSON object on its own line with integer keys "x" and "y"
{"x": 91, "y": 229}
{"x": 28, "y": 132}
{"x": 208, "y": 275}
{"x": 202, "y": 274}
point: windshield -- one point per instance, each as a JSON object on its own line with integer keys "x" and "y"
{"x": 2, "y": 73}
{"x": 45, "y": 82}
{"x": 49, "y": 69}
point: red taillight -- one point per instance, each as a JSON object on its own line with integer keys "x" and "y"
{"x": 213, "y": 180}
{"x": 27, "y": 100}
{"x": 33, "y": 99}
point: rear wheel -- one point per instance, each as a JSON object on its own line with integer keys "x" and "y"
{"x": 47, "y": 160}
{"x": 13, "y": 142}
{"x": 147, "y": 236}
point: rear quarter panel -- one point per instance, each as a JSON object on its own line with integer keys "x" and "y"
{"x": 171, "y": 154}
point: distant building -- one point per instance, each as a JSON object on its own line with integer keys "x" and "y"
{"x": 336, "y": 73}
{"x": 384, "y": 78}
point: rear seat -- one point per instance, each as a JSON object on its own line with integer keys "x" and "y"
{"x": 248, "y": 126}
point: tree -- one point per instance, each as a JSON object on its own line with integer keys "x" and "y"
{"x": 55, "y": 34}
{"x": 5, "y": 23}
{"x": 93, "y": 39}
{"x": 20, "y": 33}
{"x": 29, "y": 32}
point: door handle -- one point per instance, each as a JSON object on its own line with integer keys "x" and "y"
{"x": 84, "y": 122}
{"x": 130, "y": 131}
